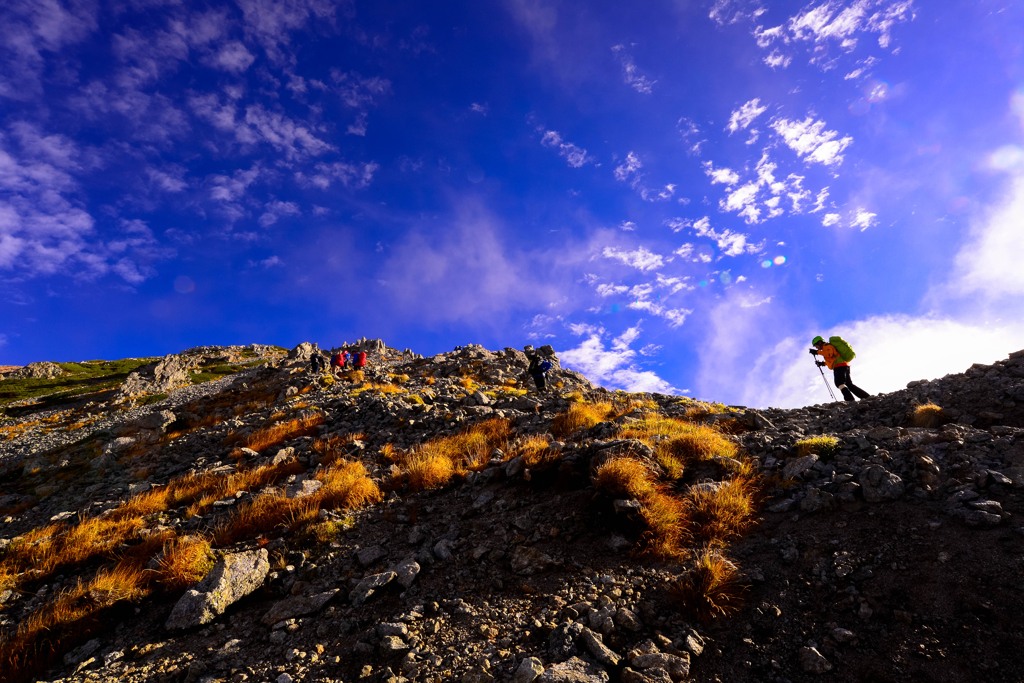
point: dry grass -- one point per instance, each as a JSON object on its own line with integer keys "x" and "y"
{"x": 185, "y": 561}
{"x": 437, "y": 462}
{"x": 346, "y": 486}
{"x": 581, "y": 416}
{"x": 70, "y": 618}
{"x": 822, "y": 446}
{"x": 927, "y": 416}
{"x": 720, "y": 513}
{"x": 664, "y": 515}
{"x": 709, "y": 589}
{"x": 283, "y": 431}
{"x": 332, "y": 449}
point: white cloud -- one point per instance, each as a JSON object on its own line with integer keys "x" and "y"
{"x": 614, "y": 367}
{"x": 641, "y": 258}
{"x": 630, "y": 75}
{"x": 271, "y": 22}
{"x": 607, "y": 289}
{"x": 284, "y": 134}
{"x": 830, "y": 219}
{"x": 776, "y": 59}
{"x": 352, "y": 175}
{"x": 479, "y": 108}
{"x": 731, "y": 243}
{"x": 725, "y": 176}
{"x": 580, "y": 329}
{"x": 628, "y": 167}
{"x": 628, "y": 226}
{"x": 863, "y": 219}
{"x": 275, "y": 210}
{"x": 745, "y": 115}
{"x": 989, "y": 261}
{"x": 810, "y": 140}
{"x": 233, "y": 57}
{"x": 575, "y": 156}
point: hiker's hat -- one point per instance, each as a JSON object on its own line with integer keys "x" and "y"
{"x": 817, "y": 339}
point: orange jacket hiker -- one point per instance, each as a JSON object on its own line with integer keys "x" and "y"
{"x": 831, "y": 356}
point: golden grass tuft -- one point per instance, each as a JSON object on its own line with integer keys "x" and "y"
{"x": 345, "y": 486}
{"x": 283, "y": 431}
{"x": 822, "y": 446}
{"x": 69, "y": 618}
{"x": 185, "y": 561}
{"x": 664, "y": 515}
{"x": 435, "y": 463}
{"x": 709, "y": 589}
{"x": 625, "y": 478}
{"x": 581, "y": 416}
{"x": 927, "y": 416}
{"x": 719, "y": 513}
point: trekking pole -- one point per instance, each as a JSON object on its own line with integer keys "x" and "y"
{"x": 827, "y": 385}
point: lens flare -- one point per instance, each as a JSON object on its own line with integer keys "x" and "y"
{"x": 702, "y": 283}
{"x": 859, "y": 107}
{"x": 725, "y": 278}
{"x": 766, "y": 264}
{"x": 1006, "y": 158}
{"x": 615, "y": 308}
{"x": 779, "y": 260}
{"x": 183, "y": 284}
{"x": 876, "y": 91}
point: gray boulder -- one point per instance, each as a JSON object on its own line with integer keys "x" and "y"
{"x": 562, "y": 641}
{"x": 574, "y": 670}
{"x": 297, "y": 606}
{"x": 368, "y": 586}
{"x": 231, "y": 579}
{"x": 528, "y": 670}
{"x": 797, "y": 466}
{"x": 303, "y": 351}
{"x": 879, "y": 484}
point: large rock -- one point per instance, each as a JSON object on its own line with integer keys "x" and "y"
{"x": 596, "y": 647}
{"x": 231, "y": 579}
{"x": 797, "y": 466}
{"x": 170, "y": 372}
{"x": 879, "y": 484}
{"x": 41, "y": 370}
{"x": 303, "y": 351}
{"x": 574, "y": 671}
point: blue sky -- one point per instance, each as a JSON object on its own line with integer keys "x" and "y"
{"x": 676, "y": 195}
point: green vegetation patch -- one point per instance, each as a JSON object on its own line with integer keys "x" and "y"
{"x": 212, "y": 372}
{"x": 85, "y": 377}
{"x": 822, "y": 446}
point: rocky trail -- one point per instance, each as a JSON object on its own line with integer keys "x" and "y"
{"x": 224, "y": 514}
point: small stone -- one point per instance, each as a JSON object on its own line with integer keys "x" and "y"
{"x": 562, "y": 641}
{"x": 842, "y": 635}
{"x": 361, "y": 593}
{"x": 813, "y": 662}
{"x": 369, "y": 555}
{"x": 528, "y": 670}
{"x": 575, "y": 670}
{"x": 596, "y": 647}
{"x": 627, "y": 619}
{"x": 284, "y": 678}
{"x": 797, "y": 466}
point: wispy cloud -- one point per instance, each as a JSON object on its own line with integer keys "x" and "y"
{"x": 614, "y": 367}
{"x": 810, "y": 140}
{"x": 640, "y": 258}
{"x": 745, "y": 115}
{"x": 630, "y": 74}
{"x": 575, "y": 156}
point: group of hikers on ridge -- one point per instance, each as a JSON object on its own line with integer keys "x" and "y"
{"x": 838, "y": 354}
{"x": 342, "y": 361}
{"x": 345, "y": 360}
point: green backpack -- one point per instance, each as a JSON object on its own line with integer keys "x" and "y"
{"x": 844, "y": 349}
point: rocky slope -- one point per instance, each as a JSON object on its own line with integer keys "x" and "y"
{"x": 886, "y": 553}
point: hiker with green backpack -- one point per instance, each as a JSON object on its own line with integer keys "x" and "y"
{"x": 838, "y": 354}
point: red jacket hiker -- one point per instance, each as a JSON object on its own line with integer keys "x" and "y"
{"x": 360, "y": 360}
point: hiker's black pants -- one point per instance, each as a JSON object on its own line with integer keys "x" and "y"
{"x": 539, "y": 379}
{"x": 844, "y": 384}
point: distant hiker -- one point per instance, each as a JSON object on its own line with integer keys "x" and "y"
{"x": 838, "y": 354}
{"x": 538, "y": 369}
{"x": 346, "y": 360}
{"x": 360, "y": 360}
{"x": 337, "y": 362}
{"x": 317, "y": 364}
